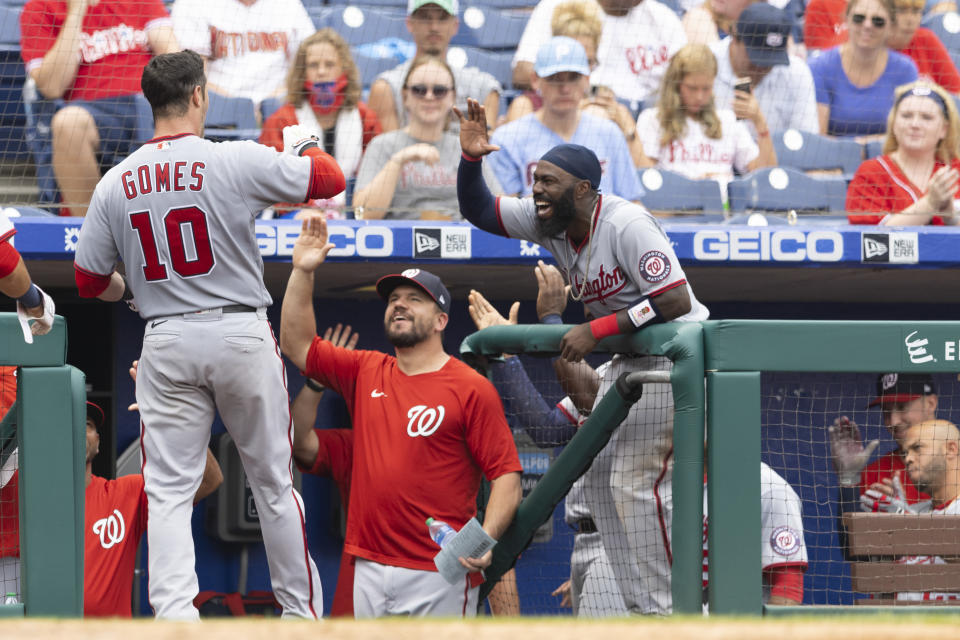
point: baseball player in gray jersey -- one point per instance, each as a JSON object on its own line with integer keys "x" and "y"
{"x": 621, "y": 265}
{"x": 180, "y": 213}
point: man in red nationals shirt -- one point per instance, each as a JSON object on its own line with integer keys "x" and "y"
{"x": 91, "y": 54}
{"x": 426, "y": 426}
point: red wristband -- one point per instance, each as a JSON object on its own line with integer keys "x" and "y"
{"x": 463, "y": 154}
{"x": 604, "y": 327}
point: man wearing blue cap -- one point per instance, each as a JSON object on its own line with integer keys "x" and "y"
{"x": 426, "y": 426}
{"x": 621, "y": 265}
{"x": 562, "y": 79}
{"x": 782, "y": 91}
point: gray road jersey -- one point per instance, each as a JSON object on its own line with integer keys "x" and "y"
{"x": 180, "y": 214}
{"x": 629, "y": 256}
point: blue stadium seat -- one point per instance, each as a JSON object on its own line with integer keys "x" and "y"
{"x": 358, "y": 25}
{"x": 781, "y": 189}
{"x": 496, "y": 63}
{"x": 144, "y": 120}
{"x": 231, "y": 118}
{"x": 394, "y": 4}
{"x": 10, "y": 28}
{"x": 873, "y": 148}
{"x": 269, "y": 106}
{"x": 669, "y": 191}
{"x": 947, "y": 28}
{"x": 503, "y": 4}
{"x": 813, "y": 152}
{"x": 371, "y": 66}
{"x": 488, "y": 28}
{"x": 38, "y": 114}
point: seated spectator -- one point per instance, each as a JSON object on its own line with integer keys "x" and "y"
{"x": 581, "y": 20}
{"x": 856, "y": 80}
{"x": 825, "y": 27}
{"x": 915, "y": 181}
{"x": 432, "y": 23}
{"x": 713, "y": 20}
{"x": 248, "y": 44}
{"x": 412, "y": 172}
{"x": 323, "y": 95}
{"x": 688, "y": 135}
{"x": 781, "y": 85}
{"x": 639, "y": 37}
{"x": 91, "y": 54}
{"x": 562, "y": 77}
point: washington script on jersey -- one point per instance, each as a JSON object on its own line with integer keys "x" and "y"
{"x": 767, "y": 245}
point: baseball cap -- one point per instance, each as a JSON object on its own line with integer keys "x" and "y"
{"x": 561, "y": 53}
{"x": 902, "y": 387}
{"x": 450, "y": 6}
{"x": 764, "y": 31}
{"x": 418, "y": 278}
{"x": 95, "y": 413}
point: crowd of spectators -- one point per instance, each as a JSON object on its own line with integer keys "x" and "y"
{"x": 696, "y": 88}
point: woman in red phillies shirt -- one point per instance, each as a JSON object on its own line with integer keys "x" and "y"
{"x": 917, "y": 179}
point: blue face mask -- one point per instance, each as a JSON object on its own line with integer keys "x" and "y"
{"x": 326, "y": 97}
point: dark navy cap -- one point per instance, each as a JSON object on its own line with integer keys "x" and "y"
{"x": 902, "y": 387}
{"x": 95, "y": 413}
{"x": 418, "y": 278}
{"x": 764, "y": 31}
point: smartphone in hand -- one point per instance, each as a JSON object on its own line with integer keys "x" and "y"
{"x": 742, "y": 84}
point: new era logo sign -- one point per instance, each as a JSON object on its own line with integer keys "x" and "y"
{"x": 427, "y": 243}
{"x": 876, "y": 247}
{"x": 441, "y": 242}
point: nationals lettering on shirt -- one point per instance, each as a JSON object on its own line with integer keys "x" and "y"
{"x": 113, "y": 48}
{"x": 224, "y": 44}
{"x": 116, "y": 517}
{"x": 421, "y": 443}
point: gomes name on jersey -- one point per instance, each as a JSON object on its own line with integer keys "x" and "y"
{"x": 159, "y": 177}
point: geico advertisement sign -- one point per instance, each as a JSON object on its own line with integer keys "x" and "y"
{"x": 767, "y": 245}
{"x": 365, "y": 242}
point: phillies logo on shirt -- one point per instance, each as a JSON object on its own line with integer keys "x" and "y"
{"x": 424, "y": 420}
{"x": 702, "y": 152}
{"x": 110, "y": 529}
{"x": 603, "y": 286}
{"x": 654, "y": 266}
{"x": 643, "y": 59}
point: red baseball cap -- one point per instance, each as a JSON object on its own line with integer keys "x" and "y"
{"x": 902, "y": 387}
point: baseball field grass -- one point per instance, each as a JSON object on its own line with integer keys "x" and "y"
{"x": 873, "y": 627}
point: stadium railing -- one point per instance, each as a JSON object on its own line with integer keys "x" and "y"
{"x": 51, "y": 438}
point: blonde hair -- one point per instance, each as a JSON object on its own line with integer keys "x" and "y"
{"x": 725, "y": 24}
{"x": 947, "y": 147}
{"x": 691, "y": 59}
{"x": 296, "y": 94}
{"x": 577, "y": 18}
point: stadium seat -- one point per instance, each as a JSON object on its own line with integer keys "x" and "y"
{"x": 783, "y": 189}
{"x": 39, "y": 112}
{"x": 873, "y": 149}
{"x": 947, "y": 28}
{"x": 231, "y": 118}
{"x": 488, "y": 28}
{"x": 504, "y": 4}
{"x": 371, "y": 66}
{"x": 9, "y": 29}
{"x": 496, "y": 63}
{"x": 813, "y": 152}
{"x": 394, "y": 4}
{"x": 669, "y": 191}
{"x": 269, "y": 106}
{"x": 144, "y": 120}
{"x": 358, "y": 25}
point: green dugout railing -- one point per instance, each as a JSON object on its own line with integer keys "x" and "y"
{"x": 682, "y": 344}
{"x": 730, "y": 355}
{"x": 50, "y": 426}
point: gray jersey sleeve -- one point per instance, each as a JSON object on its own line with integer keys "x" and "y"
{"x": 97, "y": 251}
{"x": 647, "y": 257}
{"x": 782, "y": 521}
{"x": 263, "y": 176}
{"x": 518, "y": 217}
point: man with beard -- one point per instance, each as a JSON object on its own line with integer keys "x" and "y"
{"x": 621, "y": 265}
{"x": 425, "y": 427}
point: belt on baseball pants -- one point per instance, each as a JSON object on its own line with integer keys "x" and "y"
{"x": 585, "y": 525}
{"x": 237, "y": 308}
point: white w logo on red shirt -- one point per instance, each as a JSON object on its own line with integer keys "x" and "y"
{"x": 110, "y": 529}
{"x": 424, "y": 420}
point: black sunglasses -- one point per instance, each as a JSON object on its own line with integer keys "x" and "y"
{"x": 421, "y": 90}
{"x": 878, "y": 21}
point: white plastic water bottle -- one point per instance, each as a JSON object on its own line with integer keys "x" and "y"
{"x": 11, "y": 598}
{"x": 440, "y": 531}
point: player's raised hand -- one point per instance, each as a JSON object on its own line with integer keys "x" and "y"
{"x": 564, "y": 592}
{"x": 341, "y": 336}
{"x": 311, "y": 247}
{"x": 551, "y": 292}
{"x": 485, "y": 315}
{"x": 847, "y": 450}
{"x": 892, "y": 499}
{"x": 474, "y": 138}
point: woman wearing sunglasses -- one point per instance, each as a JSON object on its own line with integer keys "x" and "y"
{"x": 411, "y": 172}
{"x": 917, "y": 179}
{"x": 856, "y": 80}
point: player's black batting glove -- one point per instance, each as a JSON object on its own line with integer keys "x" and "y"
{"x": 297, "y": 139}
